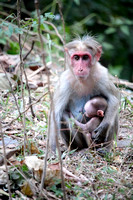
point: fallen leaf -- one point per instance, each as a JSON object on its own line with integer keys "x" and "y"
{"x": 118, "y": 159}
{"x": 26, "y": 190}
{"x": 37, "y": 165}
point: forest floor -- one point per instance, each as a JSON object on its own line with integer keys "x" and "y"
{"x": 87, "y": 174}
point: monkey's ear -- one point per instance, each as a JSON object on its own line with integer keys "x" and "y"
{"x": 99, "y": 52}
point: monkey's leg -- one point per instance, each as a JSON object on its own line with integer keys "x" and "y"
{"x": 90, "y": 126}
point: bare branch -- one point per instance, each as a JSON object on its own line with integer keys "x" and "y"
{"x": 21, "y": 70}
{"x": 62, "y": 19}
{"x": 5, "y": 161}
{"x": 52, "y": 108}
{"x": 58, "y": 34}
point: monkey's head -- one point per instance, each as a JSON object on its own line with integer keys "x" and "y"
{"x": 83, "y": 55}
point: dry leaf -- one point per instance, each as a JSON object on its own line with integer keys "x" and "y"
{"x": 33, "y": 149}
{"x": 35, "y": 164}
{"x": 118, "y": 159}
{"x": 25, "y": 189}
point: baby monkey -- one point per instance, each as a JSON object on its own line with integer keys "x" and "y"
{"x": 94, "y": 109}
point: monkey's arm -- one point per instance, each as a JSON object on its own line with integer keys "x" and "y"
{"x": 60, "y": 101}
{"x": 109, "y": 90}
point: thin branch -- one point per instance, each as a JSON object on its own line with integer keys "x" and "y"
{"x": 12, "y": 91}
{"x": 62, "y": 19}
{"x": 52, "y": 108}
{"x": 32, "y": 46}
{"x": 14, "y": 7}
{"x": 39, "y": 33}
{"x": 5, "y": 161}
{"x": 64, "y": 34}
{"x": 44, "y": 65}
{"x": 59, "y": 153}
{"x": 57, "y": 32}
{"x": 21, "y": 70}
{"x": 27, "y": 85}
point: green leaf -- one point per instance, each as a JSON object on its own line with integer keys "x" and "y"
{"x": 3, "y": 41}
{"x": 18, "y": 30}
{"x": 34, "y": 24}
{"x": 107, "y": 46}
{"x": 77, "y": 2}
{"x": 49, "y": 15}
{"x": 10, "y": 28}
{"x": 115, "y": 70}
{"x": 110, "y": 30}
{"x": 118, "y": 21}
{"x": 14, "y": 48}
{"x": 5, "y": 24}
{"x": 125, "y": 30}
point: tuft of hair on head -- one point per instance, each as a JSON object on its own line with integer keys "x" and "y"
{"x": 87, "y": 40}
{"x": 91, "y": 40}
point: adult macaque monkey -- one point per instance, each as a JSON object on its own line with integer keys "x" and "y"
{"x": 84, "y": 79}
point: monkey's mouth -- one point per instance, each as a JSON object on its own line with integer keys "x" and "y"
{"x": 81, "y": 76}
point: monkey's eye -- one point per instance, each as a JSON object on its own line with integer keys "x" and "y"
{"x": 76, "y": 57}
{"x": 85, "y": 57}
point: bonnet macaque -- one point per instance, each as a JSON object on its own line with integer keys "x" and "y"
{"x": 84, "y": 80}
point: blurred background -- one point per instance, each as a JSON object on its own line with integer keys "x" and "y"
{"x": 111, "y": 22}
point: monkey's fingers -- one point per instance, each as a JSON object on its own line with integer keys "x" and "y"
{"x": 100, "y": 131}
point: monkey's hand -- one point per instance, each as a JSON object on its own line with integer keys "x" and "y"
{"x": 99, "y": 134}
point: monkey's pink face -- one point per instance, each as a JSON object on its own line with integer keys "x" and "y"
{"x": 81, "y": 63}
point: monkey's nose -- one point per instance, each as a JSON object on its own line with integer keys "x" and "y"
{"x": 80, "y": 70}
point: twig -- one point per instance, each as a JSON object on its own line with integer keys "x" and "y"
{"x": 52, "y": 108}
{"x": 14, "y": 7}
{"x": 123, "y": 83}
{"x": 39, "y": 33}
{"x": 62, "y": 19}
{"x": 32, "y": 45}
{"x": 64, "y": 34}
{"x": 12, "y": 91}
{"x": 21, "y": 70}
{"x": 5, "y": 161}
{"x": 58, "y": 34}
{"x": 59, "y": 152}
{"x": 27, "y": 85}
{"x": 44, "y": 65}
{"x": 36, "y": 72}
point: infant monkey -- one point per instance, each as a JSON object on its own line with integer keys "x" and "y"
{"x": 94, "y": 109}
